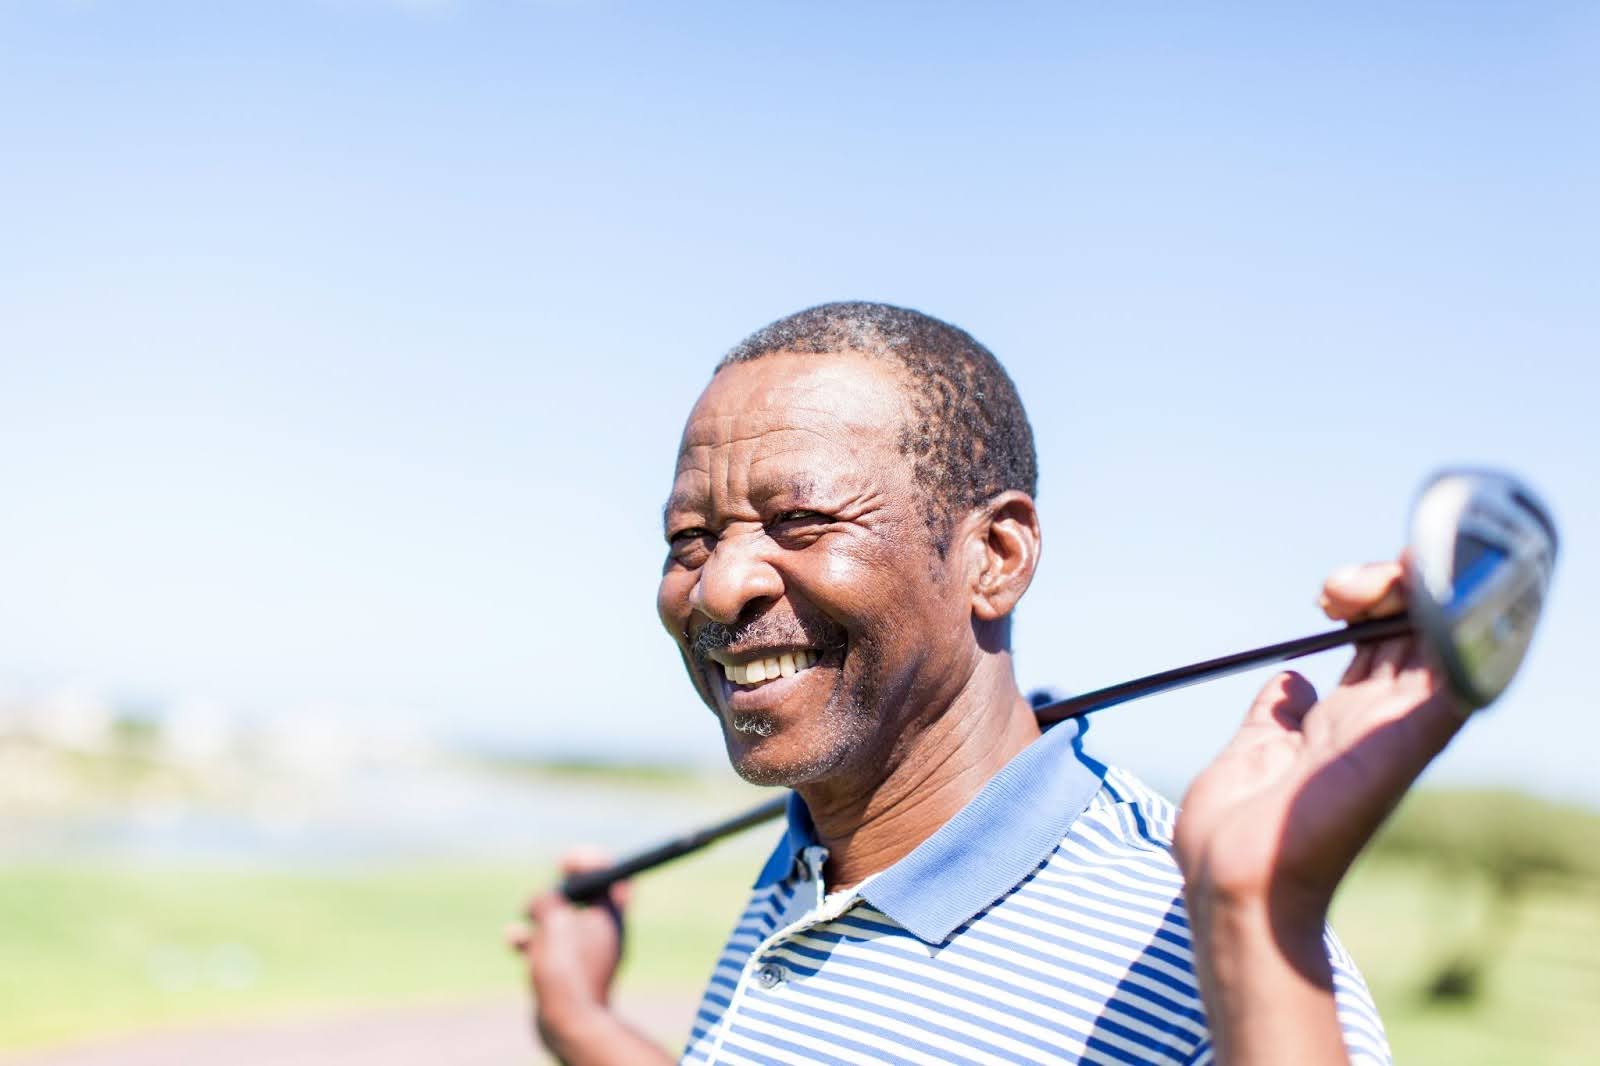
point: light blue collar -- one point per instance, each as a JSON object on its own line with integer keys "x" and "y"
{"x": 991, "y": 844}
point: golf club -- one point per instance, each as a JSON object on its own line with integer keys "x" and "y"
{"x": 1481, "y": 551}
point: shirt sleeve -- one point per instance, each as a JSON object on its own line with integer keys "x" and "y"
{"x": 1364, "y": 1037}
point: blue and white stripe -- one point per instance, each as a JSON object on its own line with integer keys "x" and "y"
{"x": 1044, "y": 923}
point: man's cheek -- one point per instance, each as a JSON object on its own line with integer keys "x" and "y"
{"x": 672, "y": 606}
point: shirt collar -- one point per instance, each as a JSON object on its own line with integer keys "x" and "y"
{"x": 996, "y": 840}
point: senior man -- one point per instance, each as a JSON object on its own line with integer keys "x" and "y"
{"x": 850, "y": 527}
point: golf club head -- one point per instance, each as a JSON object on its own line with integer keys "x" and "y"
{"x": 1482, "y": 550}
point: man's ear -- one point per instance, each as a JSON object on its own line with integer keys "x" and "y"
{"x": 1003, "y": 552}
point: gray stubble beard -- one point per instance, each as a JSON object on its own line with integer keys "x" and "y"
{"x": 847, "y": 716}
{"x": 751, "y": 722}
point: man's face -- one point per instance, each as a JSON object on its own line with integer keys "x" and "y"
{"x": 798, "y": 540}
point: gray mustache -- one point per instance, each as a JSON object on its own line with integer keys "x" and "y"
{"x": 766, "y": 630}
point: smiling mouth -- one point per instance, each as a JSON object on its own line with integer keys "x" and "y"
{"x": 757, "y": 672}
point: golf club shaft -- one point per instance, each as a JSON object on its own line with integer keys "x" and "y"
{"x": 1184, "y": 676}
{"x": 591, "y": 885}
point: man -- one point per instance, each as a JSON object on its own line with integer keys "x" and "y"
{"x": 849, "y": 530}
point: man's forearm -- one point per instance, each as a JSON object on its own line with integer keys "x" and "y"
{"x": 597, "y": 1037}
{"x": 1267, "y": 984}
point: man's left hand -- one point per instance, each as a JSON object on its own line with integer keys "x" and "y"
{"x": 1270, "y": 827}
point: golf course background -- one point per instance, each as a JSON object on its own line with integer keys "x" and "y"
{"x": 1476, "y": 919}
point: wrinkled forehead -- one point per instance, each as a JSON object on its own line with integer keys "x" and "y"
{"x": 797, "y": 392}
{"x": 823, "y": 414}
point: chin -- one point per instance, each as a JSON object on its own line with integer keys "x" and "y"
{"x": 777, "y": 761}
{"x": 786, "y": 743}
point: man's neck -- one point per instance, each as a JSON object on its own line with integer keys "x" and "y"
{"x": 870, "y": 821}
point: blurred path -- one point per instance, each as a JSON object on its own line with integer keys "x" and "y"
{"x": 490, "y": 1033}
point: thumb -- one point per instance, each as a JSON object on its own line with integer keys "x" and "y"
{"x": 587, "y": 858}
{"x": 1282, "y": 703}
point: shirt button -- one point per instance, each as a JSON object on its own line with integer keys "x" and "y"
{"x": 770, "y": 976}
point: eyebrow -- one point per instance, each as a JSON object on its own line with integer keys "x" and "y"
{"x": 799, "y": 484}
{"x": 802, "y": 485}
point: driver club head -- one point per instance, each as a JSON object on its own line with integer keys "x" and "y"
{"x": 1482, "y": 548}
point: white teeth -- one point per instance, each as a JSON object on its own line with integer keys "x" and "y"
{"x": 760, "y": 670}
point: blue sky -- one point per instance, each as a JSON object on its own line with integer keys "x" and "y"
{"x": 344, "y": 345}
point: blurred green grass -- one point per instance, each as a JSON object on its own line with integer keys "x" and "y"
{"x": 1494, "y": 898}
{"x": 94, "y": 950}
{"x": 1540, "y": 1000}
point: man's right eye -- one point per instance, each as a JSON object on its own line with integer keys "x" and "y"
{"x": 689, "y": 545}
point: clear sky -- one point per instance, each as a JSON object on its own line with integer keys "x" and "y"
{"x": 344, "y": 345}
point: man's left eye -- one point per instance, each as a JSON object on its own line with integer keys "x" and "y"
{"x": 798, "y": 528}
{"x": 796, "y": 516}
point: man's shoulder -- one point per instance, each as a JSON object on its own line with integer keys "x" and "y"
{"x": 1117, "y": 857}
{"x": 1114, "y": 866}
{"x": 1127, "y": 812}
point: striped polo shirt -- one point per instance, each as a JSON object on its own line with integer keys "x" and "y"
{"x": 1043, "y": 923}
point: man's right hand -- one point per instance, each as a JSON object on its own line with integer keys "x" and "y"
{"x": 572, "y": 952}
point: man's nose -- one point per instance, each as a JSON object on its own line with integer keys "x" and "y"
{"x": 736, "y": 576}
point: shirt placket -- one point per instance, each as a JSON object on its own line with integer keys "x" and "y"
{"x": 810, "y": 906}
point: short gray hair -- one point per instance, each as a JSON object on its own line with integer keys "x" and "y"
{"x": 968, "y": 438}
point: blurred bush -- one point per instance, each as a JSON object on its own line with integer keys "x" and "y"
{"x": 1506, "y": 836}
{"x": 1506, "y": 840}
